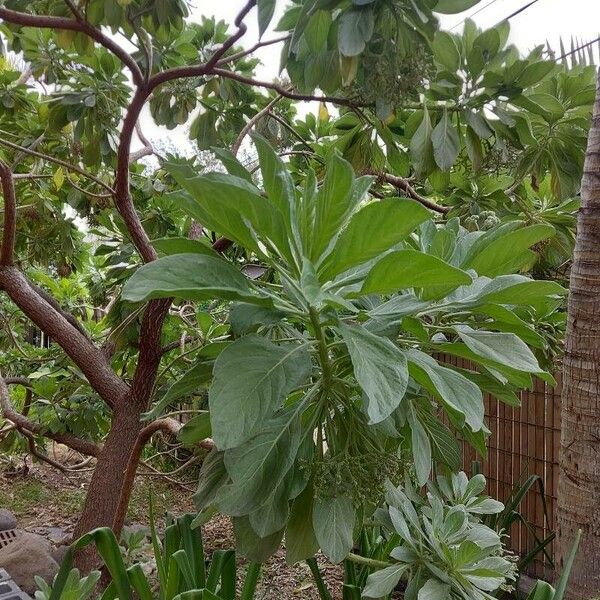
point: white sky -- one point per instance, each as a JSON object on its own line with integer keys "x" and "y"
{"x": 544, "y": 20}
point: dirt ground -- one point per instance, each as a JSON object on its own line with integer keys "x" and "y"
{"x": 48, "y": 502}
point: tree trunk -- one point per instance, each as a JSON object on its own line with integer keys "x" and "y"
{"x": 112, "y": 482}
{"x": 579, "y": 481}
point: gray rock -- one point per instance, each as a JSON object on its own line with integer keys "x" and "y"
{"x": 58, "y": 553}
{"x": 26, "y": 556}
{"x": 7, "y": 520}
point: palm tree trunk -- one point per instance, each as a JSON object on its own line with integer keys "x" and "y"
{"x": 579, "y": 481}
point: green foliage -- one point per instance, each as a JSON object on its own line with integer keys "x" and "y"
{"x": 342, "y": 373}
{"x": 182, "y": 570}
{"x": 442, "y": 547}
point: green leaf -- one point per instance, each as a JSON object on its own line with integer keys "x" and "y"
{"x": 456, "y": 391}
{"x": 421, "y": 448}
{"x": 446, "y": 144}
{"x": 383, "y": 582}
{"x": 380, "y": 369}
{"x": 446, "y": 51}
{"x": 232, "y": 164}
{"x": 451, "y": 7}
{"x": 277, "y": 180}
{"x": 195, "y": 430}
{"x": 444, "y": 445}
{"x": 375, "y": 228}
{"x": 413, "y": 269}
{"x": 300, "y": 540}
{"x": 252, "y": 546}
{"x": 317, "y": 30}
{"x": 333, "y": 523}
{"x": 355, "y": 29}
{"x": 213, "y": 476}
{"x": 333, "y": 203}
{"x": 190, "y": 277}
{"x": 434, "y": 590}
{"x": 507, "y": 253}
{"x": 181, "y": 245}
{"x": 199, "y": 375}
{"x": 246, "y": 318}
{"x": 266, "y": 10}
{"x": 258, "y": 466}
{"x": 252, "y": 377}
{"x": 503, "y": 348}
{"x": 421, "y": 146}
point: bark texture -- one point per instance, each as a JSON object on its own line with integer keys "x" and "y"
{"x": 579, "y": 481}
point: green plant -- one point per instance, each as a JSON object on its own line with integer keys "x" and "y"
{"x": 183, "y": 573}
{"x": 329, "y": 387}
{"x": 75, "y": 587}
{"x": 544, "y": 591}
{"x": 442, "y": 548}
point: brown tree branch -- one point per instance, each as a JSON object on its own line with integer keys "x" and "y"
{"x": 77, "y": 24}
{"x": 242, "y": 53}
{"x": 56, "y": 161}
{"x": 24, "y": 424}
{"x": 90, "y": 359}
{"x": 170, "y": 427}
{"x": 404, "y": 185}
{"x": 10, "y": 215}
{"x": 251, "y": 123}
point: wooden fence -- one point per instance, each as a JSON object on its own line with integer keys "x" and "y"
{"x": 524, "y": 441}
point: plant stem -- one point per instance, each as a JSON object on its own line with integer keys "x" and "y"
{"x": 252, "y": 575}
{"x": 369, "y": 562}
{"x": 321, "y": 587}
{"x": 323, "y": 353}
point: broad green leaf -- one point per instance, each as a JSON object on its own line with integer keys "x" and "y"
{"x": 380, "y": 369}
{"x": 421, "y": 448}
{"x": 252, "y": 377}
{"x": 507, "y": 253}
{"x": 333, "y": 523}
{"x": 272, "y": 516}
{"x": 434, "y": 590}
{"x": 355, "y": 29}
{"x": 451, "y": 7}
{"x": 213, "y": 476}
{"x": 444, "y": 444}
{"x": 421, "y": 146}
{"x": 232, "y": 164}
{"x": 446, "y": 144}
{"x": 503, "y": 348}
{"x": 332, "y": 205}
{"x": 190, "y": 277}
{"x": 317, "y": 30}
{"x": 195, "y": 430}
{"x": 246, "y": 318}
{"x": 277, "y": 180}
{"x": 446, "y": 51}
{"x": 266, "y": 10}
{"x": 413, "y": 269}
{"x": 252, "y": 546}
{"x": 258, "y": 466}
{"x": 197, "y": 376}
{"x": 181, "y": 245}
{"x": 375, "y": 228}
{"x": 456, "y": 391}
{"x": 383, "y": 582}
{"x": 523, "y": 292}
{"x": 300, "y": 540}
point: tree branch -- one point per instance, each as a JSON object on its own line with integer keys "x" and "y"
{"x": 10, "y": 215}
{"x": 243, "y": 53}
{"x": 252, "y": 122}
{"x": 404, "y": 185}
{"x": 90, "y": 359}
{"x": 24, "y": 424}
{"x": 171, "y": 427}
{"x": 56, "y": 161}
{"x": 77, "y": 24}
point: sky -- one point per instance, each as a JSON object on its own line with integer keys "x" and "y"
{"x": 545, "y": 20}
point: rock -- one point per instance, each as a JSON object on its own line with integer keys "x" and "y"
{"x": 57, "y": 535}
{"x": 26, "y": 556}
{"x": 7, "y": 520}
{"x": 136, "y": 528}
{"x": 58, "y": 553}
